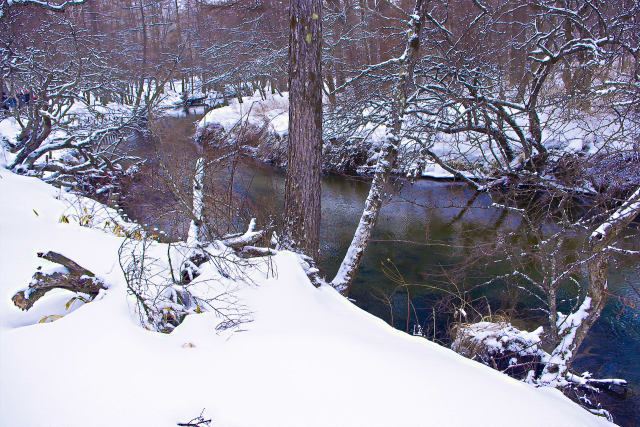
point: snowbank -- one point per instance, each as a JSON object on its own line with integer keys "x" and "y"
{"x": 435, "y": 171}
{"x": 356, "y": 154}
{"x": 272, "y": 112}
{"x": 9, "y": 129}
{"x": 308, "y": 358}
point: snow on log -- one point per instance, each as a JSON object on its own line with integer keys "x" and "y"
{"x": 246, "y": 239}
{"x": 69, "y": 275}
{"x": 501, "y": 346}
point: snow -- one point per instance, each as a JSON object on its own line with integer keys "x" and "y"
{"x": 629, "y": 209}
{"x": 567, "y": 329}
{"x": 9, "y": 130}
{"x": 193, "y": 237}
{"x": 500, "y": 337}
{"x": 309, "y": 357}
{"x": 272, "y": 111}
{"x": 434, "y": 170}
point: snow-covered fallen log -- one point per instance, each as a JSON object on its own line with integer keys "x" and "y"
{"x": 501, "y": 346}
{"x": 69, "y": 275}
{"x": 249, "y": 238}
{"x": 255, "y": 251}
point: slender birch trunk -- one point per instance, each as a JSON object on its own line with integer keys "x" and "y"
{"x": 388, "y": 153}
{"x": 197, "y": 233}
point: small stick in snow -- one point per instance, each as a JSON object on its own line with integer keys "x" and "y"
{"x": 198, "y": 421}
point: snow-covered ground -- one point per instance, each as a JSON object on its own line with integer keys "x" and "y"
{"x": 308, "y": 357}
{"x": 272, "y": 112}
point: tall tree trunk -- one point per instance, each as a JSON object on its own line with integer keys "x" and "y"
{"x": 302, "y": 191}
{"x": 388, "y": 154}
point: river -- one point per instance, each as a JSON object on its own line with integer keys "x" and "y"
{"x": 412, "y": 275}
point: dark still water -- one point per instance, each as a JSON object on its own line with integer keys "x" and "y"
{"x": 464, "y": 229}
{"x": 433, "y": 241}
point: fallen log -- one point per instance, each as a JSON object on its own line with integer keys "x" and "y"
{"x": 237, "y": 242}
{"x": 246, "y": 239}
{"x": 70, "y": 276}
{"x": 254, "y": 251}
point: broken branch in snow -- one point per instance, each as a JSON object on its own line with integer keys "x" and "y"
{"x": 615, "y": 386}
{"x": 247, "y": 239}
{"x": 255, "y": 251}
{"x": 198, "y": 421}
{"x": 71, "y": 276}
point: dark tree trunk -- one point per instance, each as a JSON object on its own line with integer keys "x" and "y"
{"x": 302, "y": 192}
{"x": 39, "y": 133}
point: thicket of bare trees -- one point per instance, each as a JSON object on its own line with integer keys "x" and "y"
{"x": 495, "y": 97}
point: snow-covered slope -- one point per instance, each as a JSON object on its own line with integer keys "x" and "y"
{"x": 308, "y": 358}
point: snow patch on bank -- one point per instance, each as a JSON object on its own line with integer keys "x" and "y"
{"x": 272, "y": 112}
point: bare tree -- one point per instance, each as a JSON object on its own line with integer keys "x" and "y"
{"x": 403, "y": 91}
{"x": 302, "y": 189}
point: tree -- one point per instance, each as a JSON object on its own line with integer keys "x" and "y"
{"x": 403, "y": 86}
{"x": 302, "y": 190}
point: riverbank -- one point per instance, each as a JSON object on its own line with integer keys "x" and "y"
{"x": 425, "y": 229}
{"x": 98, "y": 358}
{"x": 412, "y": 269}
{"x": 258, "y": 126}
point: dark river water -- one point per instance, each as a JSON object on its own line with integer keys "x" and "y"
{"x": 433, "y": 241}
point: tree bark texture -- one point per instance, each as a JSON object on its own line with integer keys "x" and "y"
{"x": 388, "y": 154}
{"x": 303, "y": 186}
